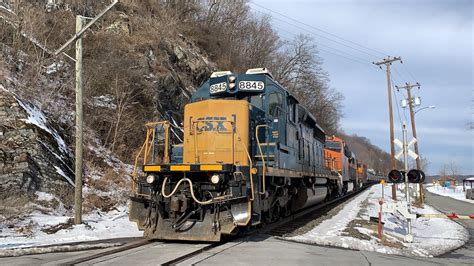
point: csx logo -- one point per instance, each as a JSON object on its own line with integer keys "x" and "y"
{"x": 211, "y": 124}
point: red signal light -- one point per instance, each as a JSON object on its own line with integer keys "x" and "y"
{"x": 395, "y": 176}
{"x": 416, "y": 176}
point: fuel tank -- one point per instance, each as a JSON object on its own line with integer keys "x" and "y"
{"x": 306, "y": 197}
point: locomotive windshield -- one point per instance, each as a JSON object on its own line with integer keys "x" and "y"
{"x": 333, "y": 145}
{"x": 257, "y": 100}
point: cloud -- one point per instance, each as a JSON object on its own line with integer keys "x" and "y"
{"x": 434, "y": 39}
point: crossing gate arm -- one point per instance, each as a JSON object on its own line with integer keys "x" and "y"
{"x": 446, "y": 216}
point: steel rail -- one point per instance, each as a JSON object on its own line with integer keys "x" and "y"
{"x": 131, "y": 245}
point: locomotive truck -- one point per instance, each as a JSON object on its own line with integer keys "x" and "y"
{"x": 249, "y": 154}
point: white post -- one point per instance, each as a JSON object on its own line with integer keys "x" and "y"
{"x": 409, "y": 237}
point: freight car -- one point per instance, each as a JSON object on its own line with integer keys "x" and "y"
{"x": 249, "y": 154}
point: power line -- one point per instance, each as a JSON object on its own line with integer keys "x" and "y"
{"x": 327, "y": 38}
{"x": 312, "y": 33}
{"x": 327, "y": 46}
{"x": 396, "y": 101}
{"x": 357, "y": 60}
{"x": 399, "y": 74}
{"x": 326, "y": 32}
{"x": 409, "y": 73}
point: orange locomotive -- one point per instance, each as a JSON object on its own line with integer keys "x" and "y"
{"x": 341, "y": 160}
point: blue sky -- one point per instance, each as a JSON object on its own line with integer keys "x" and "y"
{"x": 434, "y": 39}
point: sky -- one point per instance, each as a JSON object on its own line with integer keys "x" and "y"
{"x": 435, "y": 41}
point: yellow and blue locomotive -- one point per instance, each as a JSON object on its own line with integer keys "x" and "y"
{"x": 249, "y": 154}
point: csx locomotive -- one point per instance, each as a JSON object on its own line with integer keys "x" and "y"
{"x": 248, "y": 155}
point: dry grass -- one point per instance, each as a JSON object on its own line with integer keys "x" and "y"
{"x": 93, "y": 202}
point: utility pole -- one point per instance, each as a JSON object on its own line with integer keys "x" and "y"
{"x": 411, "y": 104}
{"x": 80, "y": 30}
{"x": 388, "y": 62}
{"x": 79, "y": 124}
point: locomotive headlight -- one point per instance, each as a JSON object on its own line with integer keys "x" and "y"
{"x": 231, "y": 83}
{"x": 150, "y": 179}
{"x": 215, "y": 179}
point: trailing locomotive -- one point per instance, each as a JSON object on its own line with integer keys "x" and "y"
{"x": 249, "y": 154}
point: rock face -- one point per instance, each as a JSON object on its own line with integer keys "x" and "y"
{"x": 33, "y": 156}
{"x": 183, "y": 69}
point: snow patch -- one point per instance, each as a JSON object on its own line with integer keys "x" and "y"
{"x": 37, "y": 118}
{"x": 54, "y": 67}
{"x": 454, "y": 192}
{"x": 97, "y": 226}
{"x": 44, "y": 196}
{"x": 60, "y": 172}
{"x": 6, "y": 9}
{"x": 104, "y": 101}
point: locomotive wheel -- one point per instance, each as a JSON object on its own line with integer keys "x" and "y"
{"x": 287, "y": 210}
{"x": 276, "y": 213}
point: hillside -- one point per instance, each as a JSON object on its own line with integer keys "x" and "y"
{"x": 367, "y": 152}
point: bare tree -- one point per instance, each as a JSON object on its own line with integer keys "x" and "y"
{"x": 453, "y": 169}
{"x": 299, "y": 68}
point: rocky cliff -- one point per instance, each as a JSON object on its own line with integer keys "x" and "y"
{"x": 34, "y": 159}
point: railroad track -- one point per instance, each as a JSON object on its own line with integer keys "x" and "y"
{"x": 279, "y": 228}
{"x": 302, "y": 217}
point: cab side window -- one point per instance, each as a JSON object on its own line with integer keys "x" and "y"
{"x": 275, "y": 104}
{"x": 292, "y": 111}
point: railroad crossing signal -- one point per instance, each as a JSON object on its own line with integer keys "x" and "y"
{"x": 411, "y": 153}
{"x": 396, "y": 176}
{"x": 414, "y": 176}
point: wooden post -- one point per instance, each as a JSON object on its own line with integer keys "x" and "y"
{"x": 79, "y": 117}
{"x": 388, "y": 62}
{"x": 411, "y": 103}
{"x": 413, "y": 129}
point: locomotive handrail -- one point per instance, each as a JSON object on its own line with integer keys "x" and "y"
{"x": 145, "y": 148}
{"x": 261, "y": 154}
{"x": 152, "y": 127}
{"x": 250, "y": 165}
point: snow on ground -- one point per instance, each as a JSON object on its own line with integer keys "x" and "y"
{"x": 350, "y": 228}
{"x": 114, "y": 224}
{"x": 454, "y": 192}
